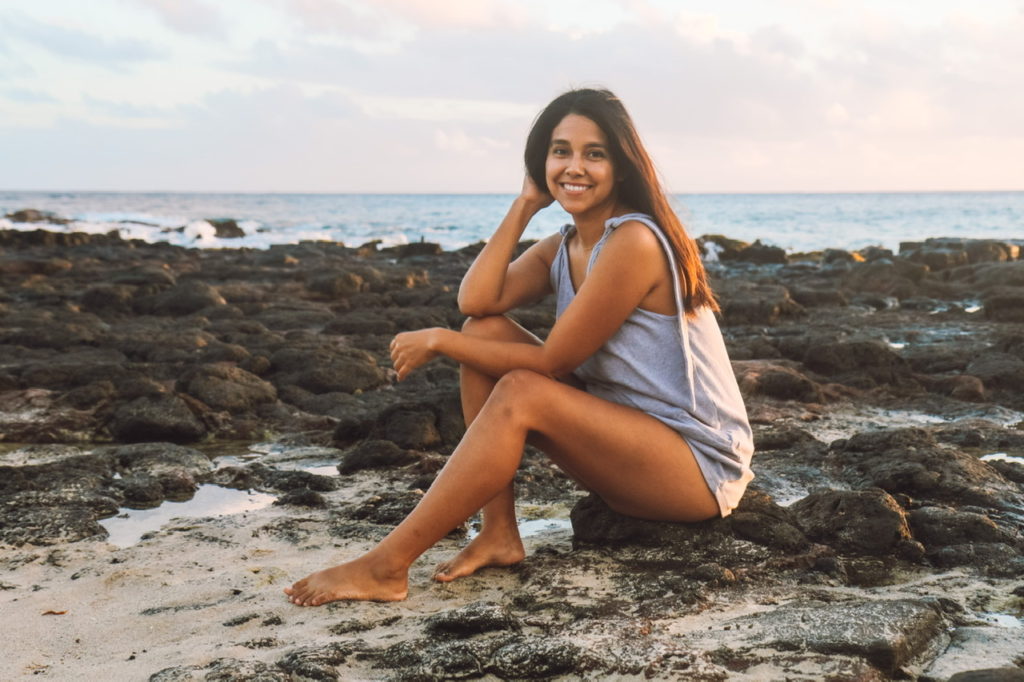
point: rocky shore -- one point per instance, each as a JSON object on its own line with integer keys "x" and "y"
{"x": 882, "y": 538}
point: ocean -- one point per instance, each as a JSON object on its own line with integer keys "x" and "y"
{"x": 795, "y": 222}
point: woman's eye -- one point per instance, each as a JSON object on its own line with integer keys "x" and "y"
{"x": 596, "y": 155}
{"x": 558, "y": 151}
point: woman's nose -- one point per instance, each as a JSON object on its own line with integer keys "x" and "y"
{"x": 575, "y": 166}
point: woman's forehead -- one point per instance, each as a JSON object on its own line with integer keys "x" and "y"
{"x": 577, "y": 128}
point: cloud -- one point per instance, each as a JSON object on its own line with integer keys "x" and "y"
{"x": 112, "y": 53}
{"x": 188, "y": 16}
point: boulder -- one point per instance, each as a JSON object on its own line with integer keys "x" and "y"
{"x": 1004, "y": 304}
{"x": 223, "y": 386}
{"x": 760, "y": 377}
{"x": 910, "y": 461}
{"x": 155, "y": 418}
{"x": 853, "y": 521}
{"x": 859, "y": 362}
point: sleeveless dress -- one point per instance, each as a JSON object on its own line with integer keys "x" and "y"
{"x": 673, "y": 368}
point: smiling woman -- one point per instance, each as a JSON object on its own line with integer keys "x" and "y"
{"x": 632, "y": 393}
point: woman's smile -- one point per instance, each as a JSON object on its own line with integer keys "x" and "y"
{"x": 579, "y": 169}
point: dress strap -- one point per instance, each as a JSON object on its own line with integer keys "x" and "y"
{"x": 677, "y": 289}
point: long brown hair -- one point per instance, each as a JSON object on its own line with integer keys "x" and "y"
{"x": 638, "y": 184}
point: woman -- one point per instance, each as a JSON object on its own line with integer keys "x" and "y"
{"x": 632, "y": 393}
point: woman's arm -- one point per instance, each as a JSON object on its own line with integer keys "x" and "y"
{"x": 493, "y": 284}
{"x": 630, "y": 265}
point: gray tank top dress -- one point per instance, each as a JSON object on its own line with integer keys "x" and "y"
{"x": 673, "y": 368}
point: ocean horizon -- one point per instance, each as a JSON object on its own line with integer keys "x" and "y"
{"x": 795, "y": 221}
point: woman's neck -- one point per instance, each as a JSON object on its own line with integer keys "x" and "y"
{"x": 590, "y": 226}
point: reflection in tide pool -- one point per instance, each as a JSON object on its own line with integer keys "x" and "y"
{"x": 210, "y": 500}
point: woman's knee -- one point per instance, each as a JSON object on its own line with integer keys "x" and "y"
{"x": 523, "y": 390}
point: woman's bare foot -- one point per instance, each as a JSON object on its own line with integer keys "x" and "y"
{"x": 486, "y": 549}
{"x": 360, "y": 579}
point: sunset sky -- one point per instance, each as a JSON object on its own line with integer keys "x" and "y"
{"x": 437, "y": 95}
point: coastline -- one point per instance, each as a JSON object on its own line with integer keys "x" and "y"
{"x": 877, "y": 541}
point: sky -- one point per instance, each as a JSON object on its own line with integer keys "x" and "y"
{"x": 438, "y": 95}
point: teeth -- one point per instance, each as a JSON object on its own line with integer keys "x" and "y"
{"x": 574, "y": 188}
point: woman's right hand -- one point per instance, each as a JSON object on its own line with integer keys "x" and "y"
{"x": 533, "y": 196}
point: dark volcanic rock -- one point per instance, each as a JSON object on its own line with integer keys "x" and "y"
{"x": 1005, "y": 304}
{"x": 941, "y": 526}
{"x": 225, "y": 387}
{"x": 888, "y": 633}
{"x": 749, "y": 303}
{"x": 472, "y": 619}
{"x": 853, "y": 521}
{"x": 227, "y": 228}
{"x": 863, "y": 362}
{"x": 910, "y": 461}
{"x": 183, "y": 299}
{"x": 760, "y": 377}
{"x": 375, "y": 454}
{"x": 998, "y": 370}
{"x": 46, "y": 518}
{"x": 154, "y": 418}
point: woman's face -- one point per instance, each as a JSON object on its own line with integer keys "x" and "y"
{"x": 579, "y": 170}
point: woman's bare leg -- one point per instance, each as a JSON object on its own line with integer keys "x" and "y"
{"x": 638, "y": 465}
{"x": 498, "y": 543}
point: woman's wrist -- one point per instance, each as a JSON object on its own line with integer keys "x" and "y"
{"x": 436, "y": 339}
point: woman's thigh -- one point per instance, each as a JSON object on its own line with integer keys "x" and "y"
{"x": 639, "y": 466}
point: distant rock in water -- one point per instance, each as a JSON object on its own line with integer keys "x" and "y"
{"x": 31, "y": 215}
{"x": 227, "y": 228}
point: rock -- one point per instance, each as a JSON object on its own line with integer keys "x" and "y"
{"x": 853, "y": 521}
{"x": 375, "y": 454}
{"x": 989, "y": 675}
{"x": 998, "y": 370}
{"x": 1004, "y": 304}
{"x": 759, "y": 519}
{"x": 909, "y": 461}
{"x": 937, "y": 526}
{"x": 153, "y": 418}
{"x": 183, "y": 299}
{"x": 223, "y": 670}
{"x": 760, "y": 377}
{"x": 324, "y": 371}
{"x": 226, "y": 387}
{"x": 895, "y": 277}
{"x": 154, "y": 472}
{"x": 472, "y": 619}
{"x": 336, "y": 284}
{"x": 52, "y": 517}
{"x": 32, "y": 215}
{"x": 303, "y": 497}
{"x": 317, "y": 662}
{"x": 227, "y": 228}
{"x": 538, "y": 657}
{"x": 716, "y": 247}
{"x": 762, "y": 254}
{"x": 749, "y": 303}
{"x": 888, "y": 633}
{"x": 860, "y": 362}
{"x": 388, "y": 508}
{"x": 1000, "y": 275}
{"x": 361, "y": 322}
{"x": 992, "y": 558}
{"x": 417, "y": 249}
{"x": 409, "y": 427}
{"x": 109, "y": 299}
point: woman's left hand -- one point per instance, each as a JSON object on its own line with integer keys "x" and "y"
{"x": 410, "y": 350}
